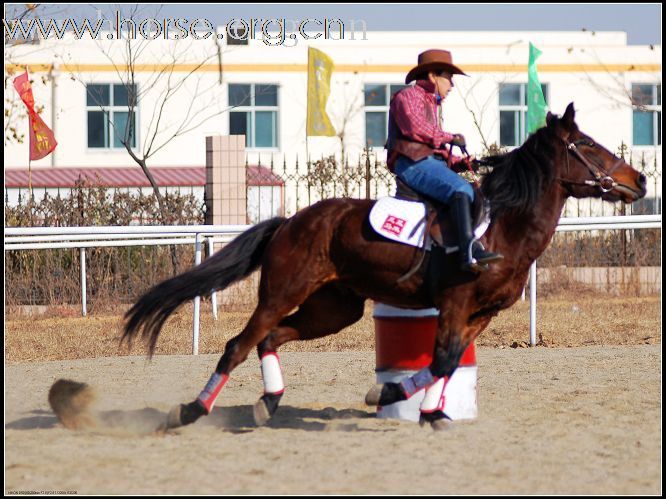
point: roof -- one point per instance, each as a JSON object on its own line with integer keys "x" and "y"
{"x": 128, "y": 176}
{"x": 260, "y": 175}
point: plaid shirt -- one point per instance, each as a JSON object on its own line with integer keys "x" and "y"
{"x": 415, "y": 111}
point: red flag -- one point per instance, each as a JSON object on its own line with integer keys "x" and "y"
{"x": 42, "y": 141}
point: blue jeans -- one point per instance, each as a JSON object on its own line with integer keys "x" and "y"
{"x": 433, "y": 178}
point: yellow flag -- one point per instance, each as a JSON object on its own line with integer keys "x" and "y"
{"x": 320, "y": 67}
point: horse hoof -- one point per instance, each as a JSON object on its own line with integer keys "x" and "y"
{"x": 261, "y": 414}
{"x": 374, "y": 395}
{"x": 173, "y": 418}
{"x": 441, "y": 424}
{"x": 438, "y": 420}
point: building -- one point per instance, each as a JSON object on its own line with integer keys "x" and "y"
{"x": 257, "y": 89}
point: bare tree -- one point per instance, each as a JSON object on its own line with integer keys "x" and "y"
{"x": 478, "y": 110}
{"x": 167, "y": 87}
{"x": 617, "y": 90}
{"x": 348, "y": 107}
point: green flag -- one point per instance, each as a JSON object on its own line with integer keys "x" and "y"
{"x": 536, "y": 104}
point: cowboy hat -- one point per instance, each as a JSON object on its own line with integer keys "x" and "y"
{"x": 433, "y": 60}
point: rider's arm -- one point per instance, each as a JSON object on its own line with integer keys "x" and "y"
{"x": 410, "y": 116}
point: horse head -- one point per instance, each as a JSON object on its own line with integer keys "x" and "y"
{"x": 590, "y": 170}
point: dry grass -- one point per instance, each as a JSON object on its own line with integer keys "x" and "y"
{"x": 566, "y": 320}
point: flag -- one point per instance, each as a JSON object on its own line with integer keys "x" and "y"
{"x": 42, "y": 141}
{"x": 536, "y": 104}
{"x": 320, "y": 67}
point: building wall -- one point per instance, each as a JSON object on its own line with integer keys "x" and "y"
{"x": 594, "y": 70}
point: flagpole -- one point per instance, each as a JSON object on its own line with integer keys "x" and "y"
{"x": 307, "y": 117}
{"x": 30, "y": 178}
{"x": 30, "y": 190}
{"x": 29, "y": 161}
{"x": 307, "y": 151}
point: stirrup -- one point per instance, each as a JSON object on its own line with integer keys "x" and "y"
{"x": 478, "y": 265}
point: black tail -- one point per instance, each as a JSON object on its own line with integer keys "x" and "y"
{"x": 234, "y": 262}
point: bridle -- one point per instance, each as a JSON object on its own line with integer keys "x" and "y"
{"x": 602, "y": 178}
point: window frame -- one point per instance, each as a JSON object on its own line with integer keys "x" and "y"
{"x": 375, "y": 109}
{"x": 252, "y": 109}
{"x": 654, "y": 108}
{"x": 110, "y": 109}
{"x": 521, "y": 109}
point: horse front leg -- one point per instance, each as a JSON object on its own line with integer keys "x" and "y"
{"x": 445, "y": 361}
{"x": 433, "y": 379}
{"x": 453, "y": 338}
{"x": 390, "y": 393}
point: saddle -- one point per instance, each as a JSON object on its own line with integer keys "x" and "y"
{"x": 442, "y": 229}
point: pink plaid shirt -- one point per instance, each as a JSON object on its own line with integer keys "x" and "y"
{"x": 415, "y": 112}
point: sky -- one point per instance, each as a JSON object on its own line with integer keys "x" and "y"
{"x": 641, "y": 21}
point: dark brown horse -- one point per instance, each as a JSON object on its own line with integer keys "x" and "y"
{"x": 325, "y": 261}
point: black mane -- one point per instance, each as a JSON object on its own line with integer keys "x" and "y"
{"x": 518, "y": 178}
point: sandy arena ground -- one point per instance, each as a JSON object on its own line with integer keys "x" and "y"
{"x": 552, "y": 420}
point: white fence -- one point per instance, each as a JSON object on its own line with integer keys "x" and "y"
{"x": 36, "y": 238}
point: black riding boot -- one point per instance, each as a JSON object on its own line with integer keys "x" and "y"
{"x": 473, "y": 256}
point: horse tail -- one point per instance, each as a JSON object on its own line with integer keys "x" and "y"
{"x": 234, "y": 262}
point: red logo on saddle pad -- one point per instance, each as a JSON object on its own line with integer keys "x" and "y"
{"x": 394, "y": 225}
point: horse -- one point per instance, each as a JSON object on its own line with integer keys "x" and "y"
{"x": 319, "y": 266}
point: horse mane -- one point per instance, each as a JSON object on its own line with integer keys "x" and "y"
{"x": 518, "y": 178}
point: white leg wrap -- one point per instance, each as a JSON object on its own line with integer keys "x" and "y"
{"x": 272, "y": 374}
{"x": 434, "y": 397}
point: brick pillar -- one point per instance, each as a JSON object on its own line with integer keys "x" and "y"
{"x": 226, "y": 200}
{"x": 226, "y": 191}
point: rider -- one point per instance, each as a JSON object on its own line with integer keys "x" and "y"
{"x": 417, "y": 149}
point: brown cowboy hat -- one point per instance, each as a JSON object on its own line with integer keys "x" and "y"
{"x": 433, "y": 60}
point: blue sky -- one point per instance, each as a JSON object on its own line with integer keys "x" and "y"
{"x": 641, "y": 22}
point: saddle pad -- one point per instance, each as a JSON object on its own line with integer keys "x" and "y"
{"x": 396, "y": 219}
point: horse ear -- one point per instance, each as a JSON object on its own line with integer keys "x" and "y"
{"x": 569, "y": 116}
{"x": 550, "y": 118}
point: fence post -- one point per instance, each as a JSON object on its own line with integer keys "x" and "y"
{"x": 533, "y": 298}
{"x": 367, "y": 173}
{"x": 82, "y": 259}
{"x": 197, "y": 299}
{"x": 213, "y": 295}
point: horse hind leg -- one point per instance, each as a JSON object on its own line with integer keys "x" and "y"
{"x": 327, "y": 311}
{"x": 270, "y": 310}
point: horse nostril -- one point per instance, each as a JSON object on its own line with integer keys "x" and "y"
{"x": 642, "y": 180}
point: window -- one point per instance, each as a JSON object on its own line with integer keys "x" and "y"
{"x": 646, "y": 101}
{"x": 108, "y": 111}
{"x": 254, "y": 113}
{"x": 513, "y": 112}
{"x": 377, "y": 101}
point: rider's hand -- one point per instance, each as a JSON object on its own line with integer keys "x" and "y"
{"x": 458, "y": 140}
{"x": 464, "y": 164}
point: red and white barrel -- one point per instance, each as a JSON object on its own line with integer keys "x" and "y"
{"x": 404, "y": 343}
